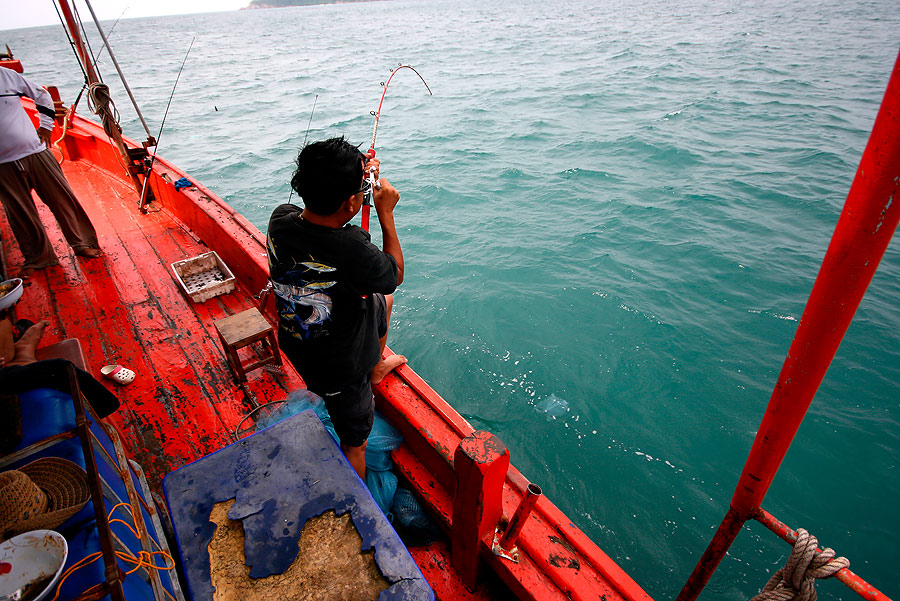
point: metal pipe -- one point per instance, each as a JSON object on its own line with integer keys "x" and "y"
{"x": 852, "y": 580}
{"x": 862, "y": 234}
{"x": 112, "y": 56}
{"x": 728, "y": 530}
{"x": 526, "y": 505}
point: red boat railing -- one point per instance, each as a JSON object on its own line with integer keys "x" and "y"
{"x": 860, "y": 239}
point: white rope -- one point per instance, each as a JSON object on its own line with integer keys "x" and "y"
{"x": 99, "y": 101}
{"x": 796, "y": 580}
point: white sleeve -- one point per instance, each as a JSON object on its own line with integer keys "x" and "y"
{"x": 41, "y": 97}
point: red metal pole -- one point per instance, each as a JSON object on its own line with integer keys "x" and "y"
{"x": 860, "y": 239}
{"x": 75, "y": 30}
{"x": 532, "y": 494}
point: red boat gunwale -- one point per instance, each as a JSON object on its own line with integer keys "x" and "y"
{"x": 135, "y": 311}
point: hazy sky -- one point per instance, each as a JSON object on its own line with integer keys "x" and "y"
{"x": 31, "y": 13}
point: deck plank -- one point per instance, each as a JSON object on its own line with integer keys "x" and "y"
{"x": 126, "y": 308}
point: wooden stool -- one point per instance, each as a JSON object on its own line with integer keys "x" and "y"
{"x": 243, "y": 329}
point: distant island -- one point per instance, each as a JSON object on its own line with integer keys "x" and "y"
{"x": 282, "y": 3}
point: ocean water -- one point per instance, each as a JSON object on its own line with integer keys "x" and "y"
{"x": 612, "y": 214}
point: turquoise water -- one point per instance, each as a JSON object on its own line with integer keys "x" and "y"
{"x": 612, "y": 216}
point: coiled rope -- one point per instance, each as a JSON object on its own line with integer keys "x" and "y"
{"x": 144, "y": 559}
{"x": 100, "y": 102}
{"x": 796, "y": 580}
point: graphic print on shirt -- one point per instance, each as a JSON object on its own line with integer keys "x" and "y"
{"x": 304, "y": 301}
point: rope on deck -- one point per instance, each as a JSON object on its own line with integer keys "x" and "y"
{"x": 796, "y": 580}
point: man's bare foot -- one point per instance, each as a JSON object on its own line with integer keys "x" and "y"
{"x": 385, "y": 366}
{"x": 90, "y": 253}
{"x": 27, "y": 345}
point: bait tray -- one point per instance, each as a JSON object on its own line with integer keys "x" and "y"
{"x": 203, "y": 277}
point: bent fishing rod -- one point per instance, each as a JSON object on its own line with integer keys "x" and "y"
{"x": 370, "y": 154}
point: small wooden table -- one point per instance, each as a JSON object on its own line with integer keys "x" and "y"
{"x": 243, "y": 329}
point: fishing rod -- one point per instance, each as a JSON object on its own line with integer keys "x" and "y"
{"x": 306, "y": 137}
{"x": 162, "y": 125}
{"x": 370, "y": 154}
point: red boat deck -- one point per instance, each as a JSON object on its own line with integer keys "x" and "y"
{"x": 126, "y": 307}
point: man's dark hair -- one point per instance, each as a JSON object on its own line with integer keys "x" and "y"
{"x": 328, "y": 173}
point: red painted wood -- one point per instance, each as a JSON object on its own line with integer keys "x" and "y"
{"x": 435, "y": 563}
{"x": 185, "y": 403}
{"x": 481, "y": 462}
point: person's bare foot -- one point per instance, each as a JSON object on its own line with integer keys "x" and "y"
{"x": 26, "y": 346}
{"x": 385, "y": 366}
{"x": 90, "y": 253}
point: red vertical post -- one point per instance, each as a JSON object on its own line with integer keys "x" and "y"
{"x": 862, "y": 234}
{"x": 75, "y": 32}
{"x": 481, "y": 462}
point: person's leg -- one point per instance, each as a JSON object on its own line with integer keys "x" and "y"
{"x": 7, "y": 347}
{"x": 54, "y": 190}
{"x": 15, "y": 194}
{"x": 357, "y": 458}
{"x": 385, "y": 365}
{"x": 352, "y": 411}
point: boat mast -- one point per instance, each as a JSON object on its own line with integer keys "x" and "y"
{"x": 103, "y": 109}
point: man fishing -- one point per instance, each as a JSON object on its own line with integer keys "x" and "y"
{"x": 27, "y": 164}
{"x": 333, "y": 287}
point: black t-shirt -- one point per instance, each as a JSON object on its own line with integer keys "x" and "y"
{"x": 323, "y": 281}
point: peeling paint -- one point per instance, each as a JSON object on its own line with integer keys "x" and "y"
{"x": 564, "y": 562}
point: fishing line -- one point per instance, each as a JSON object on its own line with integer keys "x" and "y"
{"x": 162, "y": 125}
{"x": 109, "y": 33}
{"x": 375, "y": 185}
{"x": 377, "y": 114}
{"x": 306, "y": 137}
{"x": 112, "y": 57}
{"x": 309, "y": 123}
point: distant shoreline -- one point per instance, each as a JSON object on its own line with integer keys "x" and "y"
{"x": 256, "y": 4}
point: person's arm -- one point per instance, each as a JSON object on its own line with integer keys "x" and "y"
{"x": 43, "y": 102}
{"x": 385, "y": 199}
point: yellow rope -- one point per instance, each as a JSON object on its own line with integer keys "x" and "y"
{"x": 144, "y": 559}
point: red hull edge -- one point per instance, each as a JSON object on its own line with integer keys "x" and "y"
{"x": 167, "y": 423}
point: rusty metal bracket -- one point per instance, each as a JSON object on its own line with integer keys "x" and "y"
{"x": 510, "y": 554}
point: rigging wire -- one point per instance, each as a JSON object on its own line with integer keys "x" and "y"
{"x": 87, "y": 41}
{"x": 161, "y": 126}
{"x": 71, "y": 43}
